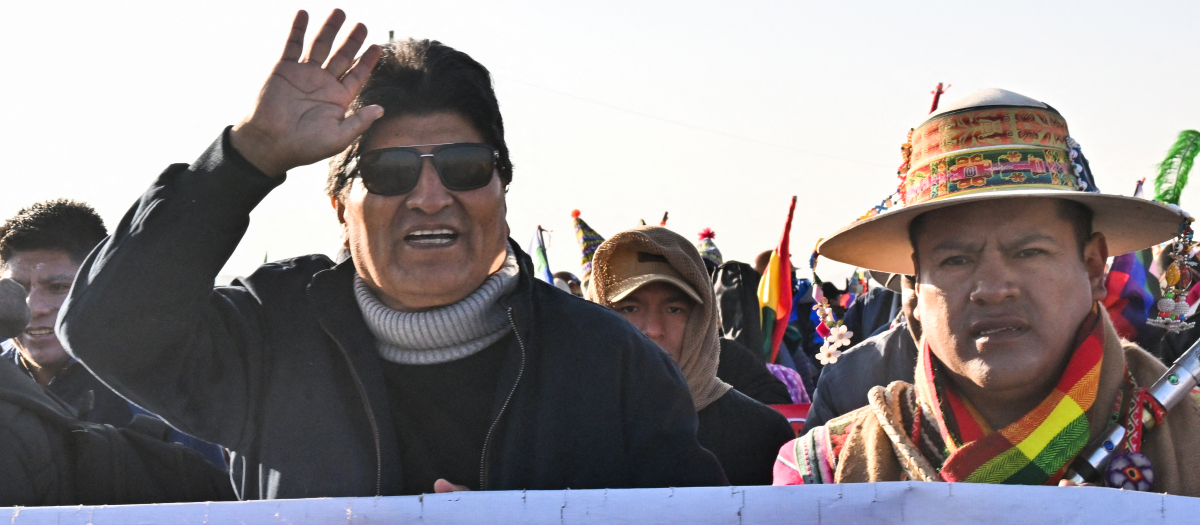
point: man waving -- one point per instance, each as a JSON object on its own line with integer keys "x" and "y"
{"x": 431, "y": 359}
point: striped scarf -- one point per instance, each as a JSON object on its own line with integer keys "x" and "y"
{"x": 1036, "y": 449}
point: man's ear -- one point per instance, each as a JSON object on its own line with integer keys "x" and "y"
{"x": 1095, "y": 259}
{"x": 911, "y": 306}
{"x": 340, "y": 210}
{"x": 913, "y": 284}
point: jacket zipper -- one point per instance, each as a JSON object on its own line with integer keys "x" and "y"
{"x": 362, "y": 391}
{"x": 520, "y": 372}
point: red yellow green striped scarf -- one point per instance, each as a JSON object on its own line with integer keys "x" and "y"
{"x": 1036, "y": 449}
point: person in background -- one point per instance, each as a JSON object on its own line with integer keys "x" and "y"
{"x": 51, "y": 457}
{"x": 735, "y": 284}
{"x": 762, "y": 260}
{"x": 429, "y": 361}
{"x": 872, "y": 312}
{"x": 41, "y": 248}
{"x": 709, "y": 251}
{"x": 877, "y": 361}
{"x": 656, "y": 279}
{"x": 568, "y": 282}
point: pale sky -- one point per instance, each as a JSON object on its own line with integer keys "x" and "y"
{"x": 717, "y": 112}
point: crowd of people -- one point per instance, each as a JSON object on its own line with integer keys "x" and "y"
{"x": 433, "y": 357}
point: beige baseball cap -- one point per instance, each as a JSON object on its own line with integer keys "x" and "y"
{"x": 637, "y": 269}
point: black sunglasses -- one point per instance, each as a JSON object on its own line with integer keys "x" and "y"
{"x": 461, "y": 166}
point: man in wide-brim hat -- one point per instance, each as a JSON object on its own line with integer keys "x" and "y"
{"x": 1019, "y": 369}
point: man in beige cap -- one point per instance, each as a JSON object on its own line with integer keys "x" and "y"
{"x": 1019, "y": 370}
{"x": 657, "y": 280}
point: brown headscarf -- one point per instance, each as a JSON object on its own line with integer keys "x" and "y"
{"x": 701, "y": 343}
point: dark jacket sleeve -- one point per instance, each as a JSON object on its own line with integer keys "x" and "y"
{"x": 143, "y": 314}
{"x": 748, "y": 375}
{"x": 736, "y": 287}
{"x": 822, "y": 409}
{"x": 661, "y": 423}
{"x": 1174, "y": 344}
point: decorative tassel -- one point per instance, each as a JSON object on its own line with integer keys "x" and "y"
{"x": 1173, "y": 171}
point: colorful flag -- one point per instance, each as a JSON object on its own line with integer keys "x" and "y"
{"x": 537, "y": 251}
{"x": 1132, "y": 290}
{"x": 589, "y": 240}
{"x": 775, "y": 293}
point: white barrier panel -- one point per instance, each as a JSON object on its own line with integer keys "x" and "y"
{"x": 904, "y": 502}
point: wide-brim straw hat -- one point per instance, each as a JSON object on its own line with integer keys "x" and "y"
{"x": 995, "y": 144}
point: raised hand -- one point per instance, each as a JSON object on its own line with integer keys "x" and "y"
{"x": 300, "y": 115}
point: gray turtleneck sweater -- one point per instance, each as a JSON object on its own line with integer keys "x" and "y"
{"x": 443, "y": 334}
{"x": 442, "y": 367}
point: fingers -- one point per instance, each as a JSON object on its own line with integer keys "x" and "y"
{"x": 344, "y": 57}
{"x": 1069, "y": 483}
{"x": 442, "y": 486}
{"x": 357, "y": 123}
{"x": 361, "y": 71}
{"x": 295, "y": 41}
{"x": 324, "y": 40}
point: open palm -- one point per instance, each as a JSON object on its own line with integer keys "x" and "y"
{"x": 300, "y": 116}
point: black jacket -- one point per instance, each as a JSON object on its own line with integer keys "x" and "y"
{"x": 748, "y": 375}
{"x": 889, "y": 356}
{"x": 1173, "y": 345}
{"x": 48, "y": 456}
{"x": 281, "y": 368}
{"x": 35, "y": 462}
{"x": 745, "y": 435}
{"x": 736, "y": 287}
{"x": 93, "y": 402}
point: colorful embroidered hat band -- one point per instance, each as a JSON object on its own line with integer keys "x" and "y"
{"x": 987, "y": 148}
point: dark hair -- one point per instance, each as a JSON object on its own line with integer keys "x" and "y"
{"x": 420, "y": 77}
{"x": 1079, "y": 215}
{"x": 67, "y": 225}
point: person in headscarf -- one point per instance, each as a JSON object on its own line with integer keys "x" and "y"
{"x": 656, "y": 279}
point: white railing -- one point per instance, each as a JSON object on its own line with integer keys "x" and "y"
{"x": 903, "y": 503}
